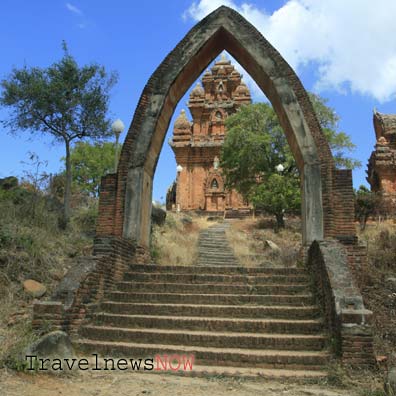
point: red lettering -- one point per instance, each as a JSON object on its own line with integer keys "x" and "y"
{"x": 159, "y": 362}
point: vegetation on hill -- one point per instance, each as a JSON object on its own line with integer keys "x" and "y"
{"x": 256, "y": 155}
{"x": 379, "y": 284}
{"x": 65, "y": 101}
{"x": 175, "y": 243}
{"x": 89, "y": 162}
{"x": 32, "y": 246}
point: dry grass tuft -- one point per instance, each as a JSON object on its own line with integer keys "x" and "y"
{"x": 32, "y": 246}
{"x": 248, "y": 239}
{"x": 381, "y": 248}
{"x": 175, "y": 243}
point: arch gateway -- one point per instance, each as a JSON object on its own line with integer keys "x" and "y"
{"x": 126, "y": 197}
{"x": 334, "y": 259}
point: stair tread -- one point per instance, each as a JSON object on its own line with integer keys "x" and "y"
{"x": 240, "y": 372}
{"x": 212, "y": 284}
{"x": 240, "y": 268}
{"x": 191, "y": 348}
{"x": 210, "y": 333}
{"x": 206, "y": 277}
{"x": 209, "y": 318}
{"x": 247, "y": 372}
{"x": 284, "y": 307}
{"x": 214, "y": 294}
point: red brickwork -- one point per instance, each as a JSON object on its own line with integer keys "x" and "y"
{"x": 343, "y": 206}
{"x": 197, "y": 144}
{"x": 106, "y": 213}
{"x": 134, "y": 152}
{"x": 86, "y": 284}
{"x": 381, "y": 169}
{"x": 346, "y": 317}
{"x": 125, "y": 199}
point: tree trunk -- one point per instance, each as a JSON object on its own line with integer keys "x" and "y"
{"x": 67, "y": 197}
{"x": 280, "y": 223}
{"x": 363, "y": 221}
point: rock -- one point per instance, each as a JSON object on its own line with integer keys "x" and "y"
{"x": 158, "y": 216}
{"x": 390, "y": 283}
{"x": 390, "y": 382}
{"x": 272, "y": 246}
{"x": 8, "y": 183}
{"x": 57, "y": 274}
{"x": 34, "y": 288}
{"x": 186, "y": 220}
{"x": 53, "y": 345}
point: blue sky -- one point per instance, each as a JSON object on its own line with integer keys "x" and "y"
{"x": 339, "y": 49}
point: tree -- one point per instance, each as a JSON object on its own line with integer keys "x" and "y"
{"x": 339, "y": 141}
{"x": 64, "y": 100}
{"x": 278, "y": 195}
{"x": 366, "y": 204}
{"x": 255, "y": 145}
{"x": 89, "y": 162}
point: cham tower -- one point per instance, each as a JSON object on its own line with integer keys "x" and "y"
{"x": 382, "y": 163}
{"x": 197, "y": 144}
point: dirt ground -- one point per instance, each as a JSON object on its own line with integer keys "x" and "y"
{"x": 130, "y": 384}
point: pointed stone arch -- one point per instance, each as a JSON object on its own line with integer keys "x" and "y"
{"x": 125, "y": 201}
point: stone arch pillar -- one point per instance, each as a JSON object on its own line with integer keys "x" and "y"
{"x": 127, "y": 203}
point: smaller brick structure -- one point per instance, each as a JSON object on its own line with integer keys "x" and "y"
{"x": 381, "y": 172}
{"x": 200, "y": 185}
{"x": 347, "y": 319}
{"x": 85, "y": 283}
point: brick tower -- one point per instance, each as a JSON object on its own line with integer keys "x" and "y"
{"x": 199, "y": 184}
{"x": 382, "y": 163}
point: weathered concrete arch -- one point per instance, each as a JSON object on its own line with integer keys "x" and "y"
{"x": 125, "y": 205}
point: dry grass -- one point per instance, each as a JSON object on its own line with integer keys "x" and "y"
{"x": 248, "y": 239}
{"x": 32, "y": 246}
{"x": 381, "y": 248}
{"x": 175, "y": 243}
{"x": 15, "y": 326}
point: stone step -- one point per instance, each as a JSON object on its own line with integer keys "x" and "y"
{"x": 215, "y": 278}
{"x": 284, "y": 326}
{"x": 218, "y": 260}
{"x": 206, "y": 263}
{"x": 292, "y": 342}
{"x": 221, "y": 311}
{"x": 214, "y": 246}
{"x": 212, "y": 288}
{"x": 216, "y": 372}
{"x": 249, "y": 373}
{"x": 218, "y": 299}
{"x": 231, "y": 357}
{"x": 215, "y": 251}
{"x": 218, "y": 270}
{"x": 217, "y": 257}
{"x": 220, "y": 242}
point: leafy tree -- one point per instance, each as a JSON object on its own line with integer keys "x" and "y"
{"x": 255, "y": 145}
{"x": 64, "y": 100}
{"x": 278, "y": 195}
{"x": 339, "y": 141}
{"x": 366, "y": 204}
{"x": 89, "y": 162}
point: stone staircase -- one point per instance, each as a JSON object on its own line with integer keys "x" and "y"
{"x": 236, "y": 321}
{"x": 213, "y": 247}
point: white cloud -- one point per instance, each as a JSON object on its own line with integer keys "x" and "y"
{"x": 73, "y": 8}
{"x": 351, "y": 43}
